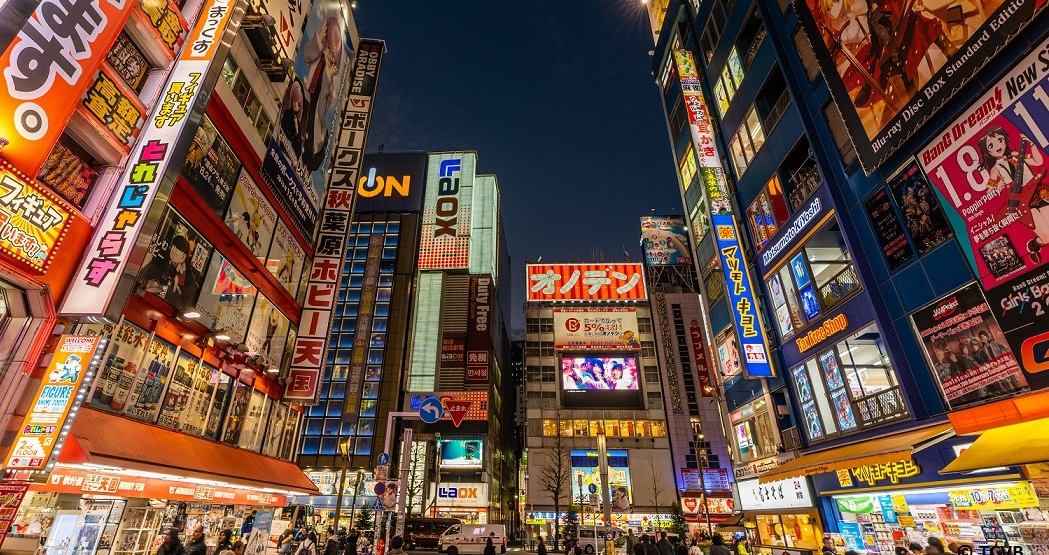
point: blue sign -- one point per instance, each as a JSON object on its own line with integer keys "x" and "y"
{"x": 384, "y": 459}
{"x": 798, "y": 228}
{"x": 431, "y": 410}
{"x": 380, "y": 488}
{"x": 852, "y": 534}
{"x": 887, "y": 511}
{"x": 745, "y": 313}
{"x": 593, "y": 488}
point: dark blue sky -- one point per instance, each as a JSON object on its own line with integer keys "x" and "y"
{"x": 556, "y": 97}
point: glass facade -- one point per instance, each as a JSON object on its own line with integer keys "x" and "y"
{"x": 325, "y": 429}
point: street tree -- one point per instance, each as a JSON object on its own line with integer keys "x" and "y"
{"x": 555, "y": 474}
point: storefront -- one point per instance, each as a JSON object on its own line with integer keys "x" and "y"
{"x": 780, "y": 514}
{"x": 465, "y": 501}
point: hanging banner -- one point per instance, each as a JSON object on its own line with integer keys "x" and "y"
{"x": 43, "y": 423}
{"x": 891, "y": 66}
{"x": 311, "y": 345}
{"x": 33, "y": 221}
{"x": 107, "y": 264}
{"x": 699, "y": 358}
{"x": 361, "y": 343}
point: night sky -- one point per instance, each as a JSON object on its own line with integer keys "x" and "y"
{"x": 558, "y": 100}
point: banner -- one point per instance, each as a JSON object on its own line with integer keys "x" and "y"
{"x": 595, "y": 329}
{"x": 891, "y": 66}
{"x": 665, "y": 240}
{"x": 699, "y": 358}
{"x": 168, "y": 131}
{"x": 478, "y": 331}
{"x": 966, "y": 349}
{"x": 586, "y": 282}
{"x": 80, "y": 482}
{"x": 54, "y": 399}
{"x": 362, "y": 331}
{"x": 311, "y": 345}
{"x": 447, "y": 211}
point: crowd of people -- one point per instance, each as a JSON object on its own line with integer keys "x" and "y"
{"x": 300, "y": 541}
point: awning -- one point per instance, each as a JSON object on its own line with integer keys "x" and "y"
{"x": 1017, "y": 444}
{"x": 108, "y": 440}
{"x": 890, "y": 448}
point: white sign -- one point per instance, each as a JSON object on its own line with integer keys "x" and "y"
{"x": 473, "y": 494}
{"x": 596, "y": 328}
{"x": 792, "y": 493}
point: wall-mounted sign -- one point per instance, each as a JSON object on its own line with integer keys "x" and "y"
{"x": 824, "y": 331}
{"x": 796, "y": 229}
{"x": 41, "y": 426}
{"x": 665, "y": 240}
{"x": 478, "y": 330}
{"x": 391, "y": 182}
{"x": 745, "y": 314}
{"x": 586, "y": 282}
{"x": 79, "y": 482}
{"x": 33, "y": 221}
{"x": 715, "y": 505}
{"x": 792, "y": 493}
{"x": 887, "y": 229}
{"x": 12, "y": 494}
{"x": 460, "y": 494}
{"x": 447, "y": 211}
{"x": 595, "y": 328}
{"x": 114, "y": 106}
{"x": 699, "y": 358}
{"x": 478, "y": 402}
{"x": 1018, "y": 496}
{"x": 871, "y": 474}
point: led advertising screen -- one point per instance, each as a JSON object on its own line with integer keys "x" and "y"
{"x": 462, "y": 453}
{"x": 601, "y": 380}
{"x": 586, "y": 464}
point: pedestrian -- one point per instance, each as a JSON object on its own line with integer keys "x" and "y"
{"x": 308, "y": 545}
{"x": 172, "y": 544}
{"x": 851, "y": 552}
{"x": 225, "y": 543}
{"x": 647, "y": 547}
{"x": 664, "y": 545}
{"x": 631, "y": 540}
{"x": 695, "y": 549}
{"x": 331, "y": 545}
{"x": 351, "y": 542}
{"x": 542, "y": 546}
{"x": 489, "y": 546}
{"x": 828, "y": 546}
{"x": 935, "y": 547}
{"x": 397, "y": 546}
{"x": 196, "y": 545}
{"x": 249, "y": 523}
{"x": 238, "y": 547}
{"x": 679, "y": 546}
{"x": 741, "y": 547}
{"x": 954, "y": 548}
{"x": 718, "y": 547}
{"x": 900, "y": 550}
{"x": 916, "y": 548}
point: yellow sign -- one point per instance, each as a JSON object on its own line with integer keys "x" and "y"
{"x": 1018, "y": 496}
{"x": 871, "y": 474}
{"x": 899, "y": 504}
{"x": 32, "y": 220}
{"x": 821, "y": 333}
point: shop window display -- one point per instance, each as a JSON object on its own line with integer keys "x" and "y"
{"x": 251, "y": 431}
{"x": 788, "y": 530}
{"x": 188, "y": 400}
{"x": 752, "y": 429}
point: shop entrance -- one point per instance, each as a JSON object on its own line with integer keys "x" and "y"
{"x": 23, "y": 311}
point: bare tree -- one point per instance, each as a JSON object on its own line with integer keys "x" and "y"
{"x": 554, "y": 476}
{"x": 658, "y": 486}
{"x": 416, "y": 477}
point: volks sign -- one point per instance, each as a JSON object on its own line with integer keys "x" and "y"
{"x": 463, "y": 495}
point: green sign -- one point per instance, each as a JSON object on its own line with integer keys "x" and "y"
{"x": 861, "y": 505}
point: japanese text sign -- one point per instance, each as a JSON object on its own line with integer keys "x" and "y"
{"x": 586, "y": 282}
{"x": 58, "y": 389}
{"x": 596, "y": 328}
{"x": 147, "y": 169}
{"x": 33, "y": 221}
{"x": 1018, "y": 496}
{"x": 165, "y": 23}
{"x": 665, "y": 240}
{"x": 79, "y": 482}
{"x": 792, "y": 493}
{"x": 745, "y": 313}
{"x": 12, "y": 494}
{"x": 871, "y": 474}
{"x": 478, "y": 400}
{"x": 478, "y": 330}
{"x": 365, "y": 312}
{"x": 712, "y": 174}
{"x": 311, "y": 344}
{"x": 115, "y": 107}
{"x": 46, "y": 69}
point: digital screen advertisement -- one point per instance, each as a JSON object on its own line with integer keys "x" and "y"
{"x": 462, "y": 453}
{"x": 600, "y": 380}
{"x": 586, "y": 465}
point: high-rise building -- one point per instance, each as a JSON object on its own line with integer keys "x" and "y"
{"x": 863, "y": 272}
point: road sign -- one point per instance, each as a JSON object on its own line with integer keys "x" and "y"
{"x": 609, "y": 535}
{"x": 380, "y": 488}
{"x": 384, "y": 459}
{"x": 382, "y": 472}
{"x": 457, "y": 410}
{"x": 430, "y": 411}
{"x": 593, "y": 488}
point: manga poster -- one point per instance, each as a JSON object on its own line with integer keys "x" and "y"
{"x": 891, "y": 64}
{"x": 922, "y": 213}
{"x": 286, "y": 259}
{"x": 175, "y": 260}
{"x": 966, "y": 349}
{"x": 267, "y": 332}
{"x": 211, "y": 166}
{"x": 250, "y": 215}
{"x": 990, "y": 166}
{"x": 226, "y": 299}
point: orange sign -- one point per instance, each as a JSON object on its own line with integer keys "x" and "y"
{"x": 80, "y": 482}
{"x": 33, "y": 221}
{"x": 40, "y": 429}
{"x": 821, "y": 333}
{"x": 46, "y": 69}
{"x": 476, "y": 410}
{"x": 586, "y": 282}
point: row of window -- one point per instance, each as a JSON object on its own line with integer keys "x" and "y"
{"x": 610, "y": 428}
{"x": 247, "y": 97}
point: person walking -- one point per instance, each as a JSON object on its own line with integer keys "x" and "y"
{"x": 631, "y": 540}
{"x": 695, "y": 549}
{"x": 489, "y": 546}
{"x": 718, "y": 547}
{"x": 665, "y": 548}
{"x": 679, "y": 546}
{"x": 542, "y": 546}
{"x": 647, "y": 547}
{"x": 238, "y": 547}
{"x": 397, "y": 546}
{"x": 172, "y": 544}
{"x": 351, "y": 542}
{"x": 331, "y": 545}
{"x": 225, "y": 541}
{"x": 828, "y": 546}
{"x": 196, "y": 545}
{"x": 308, "y": 545}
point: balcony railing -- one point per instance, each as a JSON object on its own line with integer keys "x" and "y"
{"x": 842, "y": 285}
{"x": 777, "y": 111}
{"x": 881, "y": 407}
{"x": 806, "y": 180}
{"x": 755, "y": 45}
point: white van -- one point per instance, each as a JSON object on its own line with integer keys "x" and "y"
{"x": 589, "y": 544}
{"x": 470, "y": 539}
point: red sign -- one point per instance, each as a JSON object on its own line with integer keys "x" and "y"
{"x": 457, "y": 410}
{"x": 68, "y": 480}
{"x": 585, "y": 282}
{"x": 699, "y": 353}
{"x": 690, "y": 503}
{"x": 11, "y": 495}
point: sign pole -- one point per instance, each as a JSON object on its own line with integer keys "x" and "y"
{"x": 602, "y": 456}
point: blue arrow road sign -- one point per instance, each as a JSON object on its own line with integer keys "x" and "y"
{"x": 384, "y": 459}
{"x": 430, "y": 411}
{"x": 593, "y": 488}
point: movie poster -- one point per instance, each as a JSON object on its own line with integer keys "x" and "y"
{"x": 891, "y": 64}
{"x": 175, "y": 261}
{"x": 211, "y": 166}
{"x": 250, "y": 215}
{"x": 922, "y": 213}
{"x": 966, "y": 349}
{"x": 990, "y": 167}
{"x": 286, "y": 259}
{"x": 267, "y": 332}
{"x": 226, "y": 299}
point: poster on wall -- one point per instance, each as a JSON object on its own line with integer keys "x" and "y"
{"x": 267, "y": 332}
{"x": 966, "y": 349}
{"x": 665, "y": 240}
{"x": 175, "y": 261}
{"x": 211, "y": 166}
{"x": 226, "y": 299}
{"x": 922, "y": 213}
{"x": 144, "y": 402}
{"x": 286, "y": 259}
{"x": 728, "y": 355}
{"x": 595, "y": 328}
{"x": 586, "y": 465}
{"x": 887, "y": 229}
{"x": 890, "y": 67}
{"x": 250, "y": 215}
{"x": 990, "y": 168}
{"x": 125, "y": 353}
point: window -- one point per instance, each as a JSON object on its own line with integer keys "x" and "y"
{"x": 747, "y": 141}
{"x": 768, "y": 212}
{"x": 752, "y": 430}
{"x": 687, "y": 168}
{"x": 70, "y": 171}
{"x": 246, "y": 96}
{"x": 729, "y": 81}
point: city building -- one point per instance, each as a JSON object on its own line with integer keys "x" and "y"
{"x": 873, "y": 303}
{"x": 173, "y": 214}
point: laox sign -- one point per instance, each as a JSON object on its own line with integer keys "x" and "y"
{"x": 457, "y": 493}
{"x": 448, "y": 198}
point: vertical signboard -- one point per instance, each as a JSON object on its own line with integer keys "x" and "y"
{"x": 699, "y": 356}
{"x": 362, "y": 333}
{"x": 43, "y": 423}
{"x": 478, "y": 331}
{"x": 169, "y": 129}
{"x": 311, "y": 344}
{"x": 46, "y": 69}
{"x": 445, "y": 240}
{"x": 296, "y": 163}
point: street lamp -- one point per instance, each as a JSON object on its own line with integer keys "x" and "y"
{"x": 702, "y": 460}
{"x": 344, "y": 453}
{"x": 356, "y": 489}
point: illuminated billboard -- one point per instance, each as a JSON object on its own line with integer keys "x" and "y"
{"x": 586, "y": 282}
{"x": 595, "y": 328}
{"x": 447, "y": 211}
{"x": 391, "y": 182}
{"x": 461, "y": 453}
{"x": 665, "y": 240}
{"x": 745, "y": 313}
{"x": 586, "y": 465}
{"x": 604, "y": 380}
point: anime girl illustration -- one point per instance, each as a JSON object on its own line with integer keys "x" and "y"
{"x": 1019, "y": 174}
